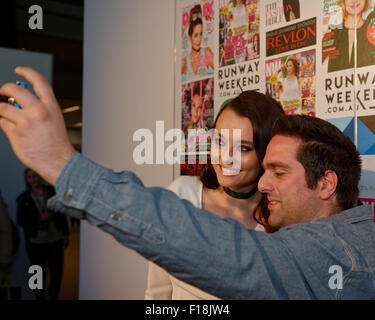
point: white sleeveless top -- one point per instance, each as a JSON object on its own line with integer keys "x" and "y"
{"x": 291, "y": 89}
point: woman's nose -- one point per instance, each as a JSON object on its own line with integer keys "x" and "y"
{"x": 226, "y": 155}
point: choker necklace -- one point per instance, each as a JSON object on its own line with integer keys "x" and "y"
{"x": 240, "y": 195}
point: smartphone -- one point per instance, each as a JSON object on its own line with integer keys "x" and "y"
{"x": 11, "y": 100}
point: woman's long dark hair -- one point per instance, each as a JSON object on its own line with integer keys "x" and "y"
{"x": 262, "y": 111}
{"x": 291, "y": 5}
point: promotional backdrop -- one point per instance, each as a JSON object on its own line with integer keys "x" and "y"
{"x": 300, "y": 52}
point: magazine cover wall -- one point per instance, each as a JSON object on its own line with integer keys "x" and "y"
{"x": 300, "y": 52}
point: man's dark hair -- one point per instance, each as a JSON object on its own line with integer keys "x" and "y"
{"x": 324, "y": 147}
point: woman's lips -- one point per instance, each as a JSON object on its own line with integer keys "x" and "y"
{"x": 357, "y": 5}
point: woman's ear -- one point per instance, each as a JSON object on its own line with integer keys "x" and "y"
{"x": 327, "y": 184}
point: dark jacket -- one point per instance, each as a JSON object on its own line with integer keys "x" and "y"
{"x": 340, "y": 48}
{"x": 28, "y": 215}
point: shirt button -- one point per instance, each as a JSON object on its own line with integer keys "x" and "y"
{"x": 68, "y": 195}
{"x": 115, "y": 217}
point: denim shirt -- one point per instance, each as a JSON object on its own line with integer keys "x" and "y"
{"x": 218, "y": 255}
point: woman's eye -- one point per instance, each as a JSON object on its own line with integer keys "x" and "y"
{"x": 218, "y": 141}
{"x": 245, "y": 149}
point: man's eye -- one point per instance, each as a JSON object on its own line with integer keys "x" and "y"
{"x": 278, "y": 174}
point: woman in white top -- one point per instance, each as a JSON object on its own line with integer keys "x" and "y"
{"x": 221, "y": 189}
{"x": 240, "y": 15}
{"x": 291, "y": 85}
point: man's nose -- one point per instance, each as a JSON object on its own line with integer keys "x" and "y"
{"x": 264, "y": 183}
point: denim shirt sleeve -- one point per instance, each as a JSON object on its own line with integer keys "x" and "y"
{"x": 217, "y": 255}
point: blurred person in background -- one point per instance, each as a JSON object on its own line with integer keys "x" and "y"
{"x": 46, "y": 232}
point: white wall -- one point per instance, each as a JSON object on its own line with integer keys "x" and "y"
{"x": 128, "y": 84}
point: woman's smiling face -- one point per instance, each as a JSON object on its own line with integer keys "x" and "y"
{"x": 227, "y": 145}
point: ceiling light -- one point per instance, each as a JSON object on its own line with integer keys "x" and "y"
{"x": 71, "y": 109}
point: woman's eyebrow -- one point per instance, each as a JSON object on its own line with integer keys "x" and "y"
{"x": 247, "y": 142}
{"x": 242, "y": 141}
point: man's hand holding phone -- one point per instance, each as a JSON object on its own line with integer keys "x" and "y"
{"x": 37, "y": 131}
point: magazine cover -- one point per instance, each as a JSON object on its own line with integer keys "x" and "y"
{"x": 291, "y": 81}
{"x": 339, "y": 20}
{"x": 238, "y": 31}
{"x": 197, "y": 41}
{"x": 281, "y": 11}
{"x": 197, "y": 120}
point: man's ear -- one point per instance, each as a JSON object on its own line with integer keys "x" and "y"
{"x": 327, "y": 184}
